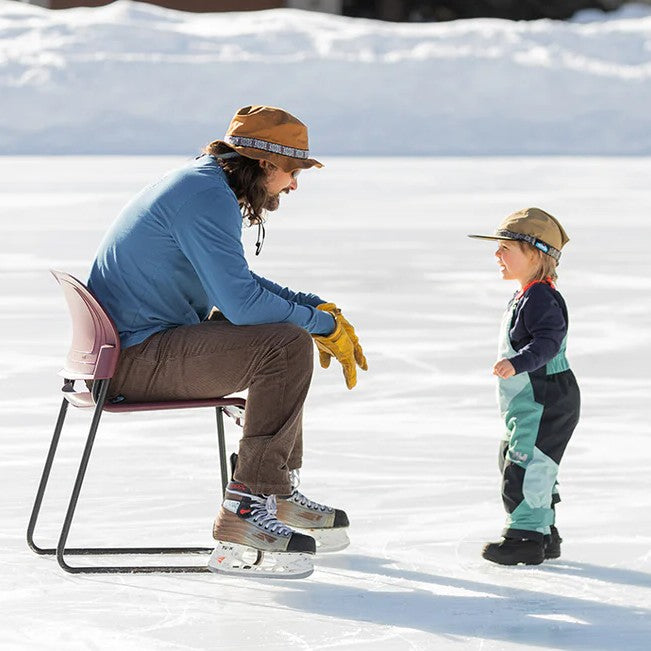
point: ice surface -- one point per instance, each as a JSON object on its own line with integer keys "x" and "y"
{"x": 410, "y": 453}
{"x": 135, "y": 78}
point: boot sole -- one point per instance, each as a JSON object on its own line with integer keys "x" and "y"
{"x": 513, "y": 563}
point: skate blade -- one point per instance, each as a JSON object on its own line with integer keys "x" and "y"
{"x": 241, "y": 560}
{"x": 329, "y": 540}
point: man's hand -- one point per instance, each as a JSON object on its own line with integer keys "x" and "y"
{"x": 350, "y": 331}
{"x": 503, "y": 369}
{"x": 339, "y": 345}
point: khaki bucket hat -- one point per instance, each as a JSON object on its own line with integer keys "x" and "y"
{"x": 534, "y": 226}
{"x": 272, "y": 134}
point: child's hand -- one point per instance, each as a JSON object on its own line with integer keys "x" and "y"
{"x": 503, "y": 369}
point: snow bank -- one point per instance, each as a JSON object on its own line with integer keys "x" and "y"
{"x": 135, "y": 78}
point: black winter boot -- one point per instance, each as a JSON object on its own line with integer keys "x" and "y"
{"x": 552, "y": 544}
{"x": 512, "y": 551}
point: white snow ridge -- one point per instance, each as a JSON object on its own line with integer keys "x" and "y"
{"x": 135, "y": 78}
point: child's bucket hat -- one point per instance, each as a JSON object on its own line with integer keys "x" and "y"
{"x": 534, "y": 226}
{"x": 269, "y": 133}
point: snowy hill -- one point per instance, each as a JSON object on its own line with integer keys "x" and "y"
{"x": 135, "y": 78}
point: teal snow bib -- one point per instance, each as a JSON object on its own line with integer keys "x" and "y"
{"x": 522, "y": 415}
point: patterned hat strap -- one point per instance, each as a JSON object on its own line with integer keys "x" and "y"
{"x": 264, "y": 145}
{"x": 534, "y": 241}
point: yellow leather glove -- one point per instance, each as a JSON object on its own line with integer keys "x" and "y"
{"x": 350, "y": 331}
{"x": 339, "y": 345}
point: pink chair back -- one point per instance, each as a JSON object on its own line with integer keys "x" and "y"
{"x": 95, "y": 347}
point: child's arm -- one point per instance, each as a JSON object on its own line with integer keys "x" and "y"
{"x": 543, "y": 320}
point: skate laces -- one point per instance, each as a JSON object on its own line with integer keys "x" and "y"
{"x": 300, "y": 498}
{"x": 263, "y": 512}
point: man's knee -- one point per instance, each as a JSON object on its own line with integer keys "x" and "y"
{"x": 288, "y": 353}
{"x": 300, "y": 339}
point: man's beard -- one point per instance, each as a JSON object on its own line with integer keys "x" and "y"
{"x": 272, "y": 203}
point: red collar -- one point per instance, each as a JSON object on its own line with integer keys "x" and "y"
{"x": 547, "y": 281}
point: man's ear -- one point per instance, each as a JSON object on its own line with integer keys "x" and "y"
{"x": 267, "y": 166}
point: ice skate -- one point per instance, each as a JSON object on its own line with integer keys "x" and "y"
{"x": 513, "y": 551}
{"x": 326, "y": 525}
{"x": 251, "y": 541}
{"x": 553, "y": 544}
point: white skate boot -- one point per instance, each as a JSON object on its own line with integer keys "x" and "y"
{"x": 251, "y": 541}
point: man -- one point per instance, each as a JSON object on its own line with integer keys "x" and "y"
{"x": 172, "y": 256}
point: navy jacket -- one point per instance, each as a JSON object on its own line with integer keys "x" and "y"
{"x": 538, "y": 327}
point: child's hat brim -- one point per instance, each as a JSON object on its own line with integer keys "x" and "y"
{"x": 492, "y": 237}
{"x": 532, "y": 225}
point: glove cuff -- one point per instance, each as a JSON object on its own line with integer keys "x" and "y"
{"x": 329, "y": 307}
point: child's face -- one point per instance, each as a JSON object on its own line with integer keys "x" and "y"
{"x": 514, "y": 262}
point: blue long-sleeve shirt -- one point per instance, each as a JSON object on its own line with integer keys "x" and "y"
{"x": 175, "y": 251}
{"x": 538, "y": 327}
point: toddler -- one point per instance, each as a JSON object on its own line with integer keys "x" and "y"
{"x": 538, "y": 393}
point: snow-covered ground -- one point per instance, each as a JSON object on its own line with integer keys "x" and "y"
{"x": 135, "y": 78}
{"x": 410, "y": 453}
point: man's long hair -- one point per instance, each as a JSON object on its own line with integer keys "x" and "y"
{"x": 247, "y": 180}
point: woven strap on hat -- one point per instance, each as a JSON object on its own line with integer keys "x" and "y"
{"x": 534, "y": 241}
{"x": 264, "y": 145}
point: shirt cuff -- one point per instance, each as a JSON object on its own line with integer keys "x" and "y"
{"x": 329, "y": 328}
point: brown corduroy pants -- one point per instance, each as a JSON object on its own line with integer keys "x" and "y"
{"x": 216, "y": 358}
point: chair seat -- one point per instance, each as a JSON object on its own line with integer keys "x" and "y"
{"x": 84, "y": 400}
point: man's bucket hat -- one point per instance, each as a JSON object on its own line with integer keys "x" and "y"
{"x": 269, "y": 133}
{"x": 534, "y": 226}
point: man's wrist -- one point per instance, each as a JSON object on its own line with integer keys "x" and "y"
{"x": 326, "y": 326}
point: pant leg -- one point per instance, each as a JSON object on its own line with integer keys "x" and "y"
{"x": 530, "y": 471}
{"x": 272, "y": 443}
{"x": 216, "y": 358}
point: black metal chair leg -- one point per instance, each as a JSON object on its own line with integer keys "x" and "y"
{"x": 222, "y": 449}
{"x": 97, "y": 414}
{"x": 61, "y": 549}
{"x": 43, "y": 483}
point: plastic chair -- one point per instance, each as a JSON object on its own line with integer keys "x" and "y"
{"x": 94, "y": 356}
